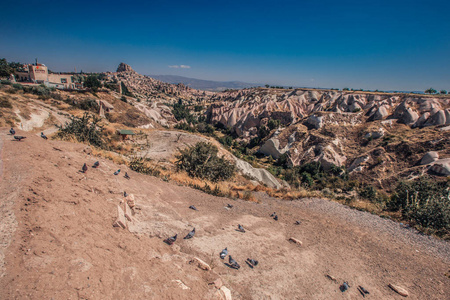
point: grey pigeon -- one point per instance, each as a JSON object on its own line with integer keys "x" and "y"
{"x": 12, "y": 131}
{"x": 252, "y": 261}
{"x": 273, "y": 215}
{"x": 117, "y": 172}
{"x": 275, "y": 218}
{"x": 240, "y": 228}
{"x": 344, "y": 287}
{"x": 190, "y": 235}
{"x": 171, "y": 240}
{"x": 84, "y": 168}
{"x": 224, "y": 253}
{"x": 126, "y": 176}
{"x": 44, "y": 136}
{"x": 233, "y": 263}
{"x": 229, "y": 206}
{"x": 19, "y": 137}
{"x": 96, "y": 164}
{"x": 297, "y": 223}
{"x": 125, "y": 194}
{"x": 193, "y": 207}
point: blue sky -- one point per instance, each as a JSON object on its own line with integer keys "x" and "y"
{"x": 385, "y": 45}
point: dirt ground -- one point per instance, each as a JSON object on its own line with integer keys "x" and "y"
{"x": 57, "y": 240}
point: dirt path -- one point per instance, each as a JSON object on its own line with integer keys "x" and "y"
{"x": 65, "y": 246}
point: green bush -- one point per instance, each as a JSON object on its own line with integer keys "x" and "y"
{"x": 142, "y": 165}
{"x": 85, "y": 129}
{"x": 201, "y": 161}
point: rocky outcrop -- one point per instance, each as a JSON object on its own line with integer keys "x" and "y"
{"x": 441, "y": 167}
{"x": 438, "y": 118}
{"x": 429, "y": 157}
{"x": 259, "y": 174}
{"x": 123, "y": 67}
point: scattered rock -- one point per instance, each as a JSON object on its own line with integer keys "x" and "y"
{"x": 128, "y": 213}
{"x": 226, "y": 293}
{"x": 218, "y": 283}
{"x": 401, "y": 291}
{"x": 181, "y": 284}
{"x": 130, "y": 200}
{"x": 441, "y": 167}
{"x": 296, "y": 241}
{"x": 123, "y": 67}
{"x": 315, "y": 121}
{"x": 375, "y": 134}
{"x": 332, "y": 278}
{"x": 120, "y": 222}
{"x": 202, "y": 265}
{"x": 429, "y": 157}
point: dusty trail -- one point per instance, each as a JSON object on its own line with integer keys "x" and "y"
{"x": 65, "y": 246}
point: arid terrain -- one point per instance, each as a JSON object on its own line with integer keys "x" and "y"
{"x": 58, "y": 239}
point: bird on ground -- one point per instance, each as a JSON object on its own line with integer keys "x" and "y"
{"x": 233, "y": 263}
{"x": 252, "y": 261}
{"x": 344, "y": 287}
{"x": 96, "y": 164}
{"x": 224, "y": 253}
{"x": 126, "y": 176}
{"x": 275, "y": 218}
{"x": 240, "y": 228}
{"x": 125, "y": 194}
{"x": 12, "y": 131}
{"x": 84, "y": 168}
{"x": 297, "y": 223}
{"x": 44, "y": 136}
{"x": 193, "y": 207}
{"x": 273, "y": 215}
{"x": 190, "y": 234}
{"x": 171, "y": 240}
{"x": 19, "y": 137}
{"x": 117, "y": 172}
{"x": 229, "y": 206}
{"x": 364, "y": 290}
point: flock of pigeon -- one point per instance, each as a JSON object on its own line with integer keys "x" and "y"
{"x": 20, "y": 137}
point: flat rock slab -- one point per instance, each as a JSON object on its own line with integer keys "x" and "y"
{"x": 120, "y": 222}
{"x": 226, "y": 293}
{"x": 296, "y": 241}
{"x": 401, "y": 291}
{"x": 128, "y": 213}
{"x": 202, "y": 265}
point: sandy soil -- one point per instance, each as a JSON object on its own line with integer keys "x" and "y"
{"x": 58, "y": 241}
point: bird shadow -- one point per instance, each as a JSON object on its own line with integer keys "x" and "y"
{"x": 239, "y": 230}
{"x": 249, "y": 264}
{"x": 230, "y": 266}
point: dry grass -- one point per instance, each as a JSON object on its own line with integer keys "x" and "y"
{"x": 116, "y": 158}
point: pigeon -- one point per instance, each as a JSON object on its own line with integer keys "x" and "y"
{"x": 297, "y": 223}
{"x": 240, "y": 228}
{"x": 273, "y": 215}
{"x": 224, "y": 253}
{"x": 363, "y": 290}
{"x": 190, "y": 234}
{"x": 344, "y": 287}
{"x": 171, "y": 240}
{"x": 125, "y": 194}
{"x": 84, "y": 168}
{"x": 275, "y": 218}
{"x": 12, "y": 131}
{"x": 117, "y": 172}
{"x": 126, "y": 176}
{"x": 252, "y": 262}
{"x": 96, "y": 164}
{"x": 19, "y": 137}
{"x": 193, "y": 207}
{"x": 233, "y": 263}
{"x": 44, "y": 136}
{"x": 229, "y": 206}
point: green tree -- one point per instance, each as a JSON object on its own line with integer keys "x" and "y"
{"x": 93, "y": 83}
{"x": 5, "y": 68}
{"x": 443, "y": 92}
{"x": 430, "y": 91}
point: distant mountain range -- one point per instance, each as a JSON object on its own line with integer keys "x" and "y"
{"x": 205, "y": 85}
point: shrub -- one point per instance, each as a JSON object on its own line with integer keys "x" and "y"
{"x": 201, "y": 161}
{"x": 142, "y": 165}
{"x": 5, "y": 103}
{"x": 85, "y": 129}
{"x": 273, "y": 124}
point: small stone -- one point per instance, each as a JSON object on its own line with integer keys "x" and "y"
{"x": 401, "y": 291}
{"x": 332, "y": 278}
{"x": 202, "y": 265}
{"x": 128, "y": 213}
{"x": 120, "y": 222}
{"x": 296, "y": 241}
{"x": 226, "y": 293}
{"x": 218, "y": 283}
{"x": 182, "y": 285}
{"x": 130, "y": 200}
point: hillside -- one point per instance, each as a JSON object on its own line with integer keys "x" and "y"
{"x": 58, "y": 238}
{"x": 206, "y": 85}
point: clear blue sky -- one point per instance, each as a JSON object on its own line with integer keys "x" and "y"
{"x": 386, "y": 45}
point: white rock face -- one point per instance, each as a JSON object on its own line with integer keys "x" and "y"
{"x": 441, "y": 167}
{"x": 259, "y": 174}
{"x": 375, "y": 134}
{"x": 429, "y": 157}
{"x": 439, "y": 118}
{"x": 315, "y": 121}
{"x": 381, "y": 113}
{"x": 357, "y": 162}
